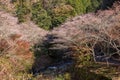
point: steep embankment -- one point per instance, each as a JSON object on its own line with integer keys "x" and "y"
{"x": 16, "y": 40}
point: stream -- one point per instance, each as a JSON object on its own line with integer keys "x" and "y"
{"x": 59, "y": 52}
{"x": 55, "y": 69}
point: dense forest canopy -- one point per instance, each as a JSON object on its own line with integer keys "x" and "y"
{"x": 51, "y": 13}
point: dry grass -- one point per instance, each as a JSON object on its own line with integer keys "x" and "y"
{"x": 16, "y": 59}
{"x": 12, "y": 68}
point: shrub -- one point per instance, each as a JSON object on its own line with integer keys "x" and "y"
{"x": 4, "y": 46}
{"x": 84, "y": 6}
{"x": 85, "y": 74}
{"x": 79, "y": 5}
{"x": 61, "y": 13}
{"x": 94, "y": 5}
{"x": 21, "y": 12}
{"x": 13, "y": 1}
{"x": 40, "y": 16}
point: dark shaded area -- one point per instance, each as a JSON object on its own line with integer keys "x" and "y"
{"x": 51, "y": 56}
{"x": 107, "y": 60}
{"x": 85, "y": 74}
{"x": 106, "y": 4}
{"x": 55, "y": 47}
{"x": 108, "y": 55}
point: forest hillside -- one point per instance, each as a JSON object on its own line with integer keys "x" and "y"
{"x": 59, "y": 40}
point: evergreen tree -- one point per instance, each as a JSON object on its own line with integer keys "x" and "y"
{"x": 51, "y": 13}
{"x": 40, "y": 16}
